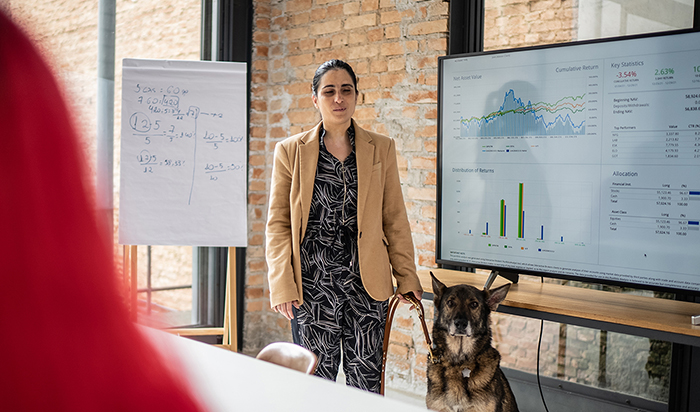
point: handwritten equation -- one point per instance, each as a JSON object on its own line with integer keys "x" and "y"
{"x": 184, "y": 150}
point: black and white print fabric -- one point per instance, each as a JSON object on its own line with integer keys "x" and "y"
{"x": 336, "y": 306}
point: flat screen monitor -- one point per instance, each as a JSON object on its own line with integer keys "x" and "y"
{"x": 577, "y": 161}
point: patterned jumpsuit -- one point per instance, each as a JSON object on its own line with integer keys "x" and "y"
{"x": 336, "y": 306}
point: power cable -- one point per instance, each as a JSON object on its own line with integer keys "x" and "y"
{"x": 539, "y": 345}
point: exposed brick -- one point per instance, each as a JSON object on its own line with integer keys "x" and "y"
{"x": 351, "y": 8}
{"x": 257, "y": 199}
{"x": 318, "y": 14}
{"x": 423, "y": 97}
{"x": 361, "y": 52}
{"x": 410, "y": 112}
{"x": 324, "y": 55}
{"x": 403, "y": 322}
{"x": 301, "y": 60}
{"x": 375, "y": 35}
{"x": 259, "y": 77}
{"x": 357, "y": 37}
{"x": 397, "y": 351}
{"x": 297, "y": 5}
{"x": 278, "y": 76}
{"x": 370, "y": 5}
{"x": 261, "y": 37}
{"x": 256, "y": 160}
{"x": 257, "y": 186}
{"x": 328, "y": 27}
{"x": 299, "y": 19}
{"x": 277, "y": 132}
{"x": 364, "y": 20}
{"x": 256, "y": 280}
{"x": 261, "y": 51}
{"x": 253, "y": 293}
{"x": 437, "y": 44}
{"x": 392, "y": 79}
{"x": 259, "y": 105}
{"x": 401, "y": 338}
{"x": 428, "y": 27}
{"x": 301, "y": 117}
{"x": 426, "y": 193}
{"x": 427, "y": 131}
{"x": 339, "y": 40}
{"x": 378, "y": 66}
{"x": 429, "y": 245}
{"x": 389, "y": 49}
{"x": 298, "y": 88}
{"x": 255, "y": 240}
{"x": 366, "y": 113}
{"x": 307, "y": 44}
{"x": 426, "y": 259}
{"x": 257, "y": 132}
{"x": 254, "y": 306}
{"x": 389, "y": 17}
{"x": 392, "y": 32}
{"x": 297, "y": 33}
{"x": 397, "y": 63}
{"x": 335, "y": 11}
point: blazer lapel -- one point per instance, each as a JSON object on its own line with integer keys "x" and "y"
{"x": 309, "y": 146}
{"x": 364, "y": 155}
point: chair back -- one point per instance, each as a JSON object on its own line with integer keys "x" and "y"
{"x": 290, "y": 356}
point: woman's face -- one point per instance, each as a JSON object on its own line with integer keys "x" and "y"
{"x": 336, "y": 98}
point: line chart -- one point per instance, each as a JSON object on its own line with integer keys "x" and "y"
{"x": 515, "y": 117}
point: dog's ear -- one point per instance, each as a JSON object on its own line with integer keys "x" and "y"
{"x": 438, "y": 288}
{"x": 496, "y": 296}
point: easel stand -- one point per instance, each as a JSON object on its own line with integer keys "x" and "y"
{"x": 229, "y": 331}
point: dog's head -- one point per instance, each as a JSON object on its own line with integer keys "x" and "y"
{"x": 463, "y": 310}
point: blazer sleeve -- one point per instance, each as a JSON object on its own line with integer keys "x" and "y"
{"x": 397, "y": 228}
{"x": 278, "y": 232}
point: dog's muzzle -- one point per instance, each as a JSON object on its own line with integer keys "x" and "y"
{"x": 460, "y": 327}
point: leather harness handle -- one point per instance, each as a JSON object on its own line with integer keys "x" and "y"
{"x": 393, "y": 304}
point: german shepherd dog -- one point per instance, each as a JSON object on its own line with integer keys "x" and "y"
{"x": 467, "y": 376}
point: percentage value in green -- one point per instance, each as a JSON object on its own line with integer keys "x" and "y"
{"x": 696, "y": 69}
{"x": 663, "y": 72}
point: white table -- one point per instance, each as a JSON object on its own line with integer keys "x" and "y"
{"x": 229, "y": 381}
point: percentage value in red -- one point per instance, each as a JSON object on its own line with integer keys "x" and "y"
{"x": 624, "y": 75}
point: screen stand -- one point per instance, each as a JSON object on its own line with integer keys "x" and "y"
{"x": 512, "y": 276}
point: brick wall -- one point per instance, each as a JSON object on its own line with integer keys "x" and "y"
{"x": 520, "y": 23}
{"x": 393, "y": 46}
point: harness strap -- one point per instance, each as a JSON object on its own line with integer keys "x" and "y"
{"x": 393, "y": 304}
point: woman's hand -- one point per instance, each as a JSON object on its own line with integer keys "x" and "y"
{"x": 417, "y": 293}
{"x": 286, "y": 309}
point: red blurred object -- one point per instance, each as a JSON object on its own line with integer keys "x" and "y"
{"x": 67, "y": 342}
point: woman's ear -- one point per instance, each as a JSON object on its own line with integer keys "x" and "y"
{"x": 315, "y": 100}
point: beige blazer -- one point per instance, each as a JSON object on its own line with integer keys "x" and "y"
{"x": 384, "y": 234}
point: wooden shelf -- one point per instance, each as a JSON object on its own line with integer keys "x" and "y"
{"x": 631, "y": 314}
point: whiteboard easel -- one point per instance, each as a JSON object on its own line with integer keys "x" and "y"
{"x": 184, "y": 164}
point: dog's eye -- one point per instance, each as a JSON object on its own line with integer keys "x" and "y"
{"x": 473, "y": 305}
{"x": 450, "y": 304}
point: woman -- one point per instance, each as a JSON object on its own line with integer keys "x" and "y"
{"x": 337, "y": 229}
